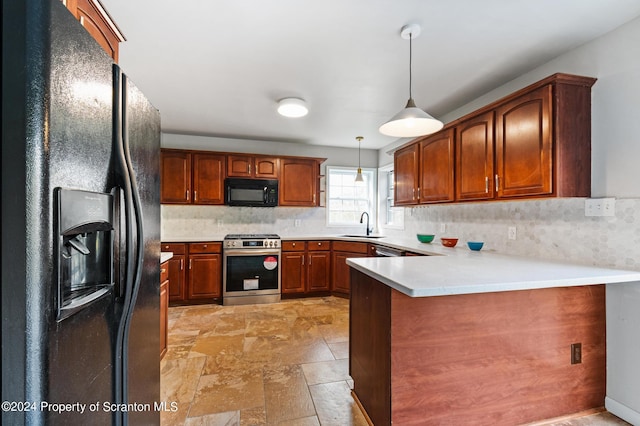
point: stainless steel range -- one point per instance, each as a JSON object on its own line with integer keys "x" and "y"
{"x": 251, "y": 269}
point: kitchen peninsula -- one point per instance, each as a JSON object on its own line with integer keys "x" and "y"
{"x": 477, "y": 338}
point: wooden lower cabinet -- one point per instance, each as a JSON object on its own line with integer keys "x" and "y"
{"x": 293, "y": 272}
{"x": 204, "y": 276}
{"x": 164, "y": 308}
{"x": 342, "y": 250}
{"x": 306, "y": 267}
{"x": 195, "y": 271}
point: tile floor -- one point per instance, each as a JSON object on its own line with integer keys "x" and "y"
{"x": 276, "y": 364}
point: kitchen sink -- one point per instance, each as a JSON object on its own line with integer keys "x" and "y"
{"x": 362, "y": 236}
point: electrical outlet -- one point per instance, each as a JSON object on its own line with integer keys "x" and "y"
{"x": 576, "y": 353}
{"x": 600, "y": 207}
{"x": 297, "y": 223}
{"x": 443, "y": 227}
{"x": 512, "y": 233}
{"x": 220, "y": 223}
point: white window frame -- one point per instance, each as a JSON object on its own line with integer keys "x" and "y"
{"x": 385, "y": 197}
{"x": 373, "y": 204}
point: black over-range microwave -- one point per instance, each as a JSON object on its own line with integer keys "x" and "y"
{"x": 251, "y": 192}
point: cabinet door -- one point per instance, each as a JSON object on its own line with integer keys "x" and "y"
{"x": 164, "y": 317}
{"x": 524, "y": 161}
{"x": 208, "y": 178}
{"x": 177, "y": 278}
{"x": 96, "y": 24}
{"x": 239, "y": 165}
{"x": 175, "y": 177}
{"x": 298, "y": 182}
{"x": 293, "y": 272}
{"x": 341, "y": 278}
{"x": 437, "y": 161}
{"x": 406, "y": 164}
{"x": 319, "y": 268}
{"x": 474, "y": 158}
{"x": 266, "y": 167}
{"x": 205, "y": 279}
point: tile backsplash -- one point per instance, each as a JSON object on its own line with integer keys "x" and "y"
{"x": 545, "y": 228}
{"x": 202, "y": 221}
{"x": 553, "y": 228}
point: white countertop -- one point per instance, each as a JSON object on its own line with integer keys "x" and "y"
{"x": 466, "y": 272}
{"x": 447, "y": 271}
{"x": 165, "y": 255}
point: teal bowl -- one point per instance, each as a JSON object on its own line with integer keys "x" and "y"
{"x": 475, "y": 245}
{"x": 425, "y": 238}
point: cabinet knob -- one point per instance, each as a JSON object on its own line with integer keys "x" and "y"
{"x": 319, "y": 244}
{"x": 293, "y": 244}
{"x": 162, "y": 271}
{"x": 205, "y": 246}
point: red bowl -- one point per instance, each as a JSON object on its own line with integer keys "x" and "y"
{"x": 449, "y": 242}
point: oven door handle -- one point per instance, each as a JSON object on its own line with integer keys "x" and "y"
{"x": 232, "y": 252}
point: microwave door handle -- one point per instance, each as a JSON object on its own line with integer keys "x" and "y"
{"x": 264, "y": 190}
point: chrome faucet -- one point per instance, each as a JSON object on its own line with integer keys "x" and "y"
{"x": 369, "y": 230}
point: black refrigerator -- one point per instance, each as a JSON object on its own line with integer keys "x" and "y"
{"x": 80, "y": 228}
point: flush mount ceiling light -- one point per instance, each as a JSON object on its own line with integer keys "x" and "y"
{"x": 292, "y": 107}
{"x": 359, "y": 177}
{"x": 411, "y": 121}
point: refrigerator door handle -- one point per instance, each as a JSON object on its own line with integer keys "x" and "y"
{"x": 133, "y": 213}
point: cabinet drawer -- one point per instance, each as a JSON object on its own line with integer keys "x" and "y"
{"x": 164, "y": 272}
{"x": 293, "y": 246}
{"x": 208, "y": 247}
{"x": 349, "y": 246}
{"x": 175, "y": 248}
{"x": 319, "y": 245}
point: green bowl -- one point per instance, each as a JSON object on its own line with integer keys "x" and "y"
{"x": 425, "y": 238}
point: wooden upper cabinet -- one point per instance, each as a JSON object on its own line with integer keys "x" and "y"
{"x": 95, "y": 19}
{"x": 239, "y": 165}
{"x": 437, "y": 161}
{"x": 535, "y": 142}
{"x": 406, "y": 175}
{"x": 266, "y": 167}
{"x": 208, "y": 178}
{"x": 252, "y": 166}
{"x": 299, "y": 182}
{"x": 524, "y": 156}
{"x": 175, "y": 177}
{"x": 474, "y": 158}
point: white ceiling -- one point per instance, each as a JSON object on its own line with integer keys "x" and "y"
{"x": 217, "y": 67}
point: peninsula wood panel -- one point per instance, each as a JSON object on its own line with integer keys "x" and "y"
{"x": 369, "y": 343}
{"x": 496, "y": 358}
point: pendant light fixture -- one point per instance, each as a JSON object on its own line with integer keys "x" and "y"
{"x": 411, "y": 121}
{"x": 359, "y": 177}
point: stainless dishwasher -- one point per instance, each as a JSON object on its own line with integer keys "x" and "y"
{"x": 382, "y": 251}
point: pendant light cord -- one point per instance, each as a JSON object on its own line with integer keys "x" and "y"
{"x": 410, "y": 64}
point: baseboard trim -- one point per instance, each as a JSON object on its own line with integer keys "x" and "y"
{"x": 622, "y": 411}
{"x": 364, "y": 412}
